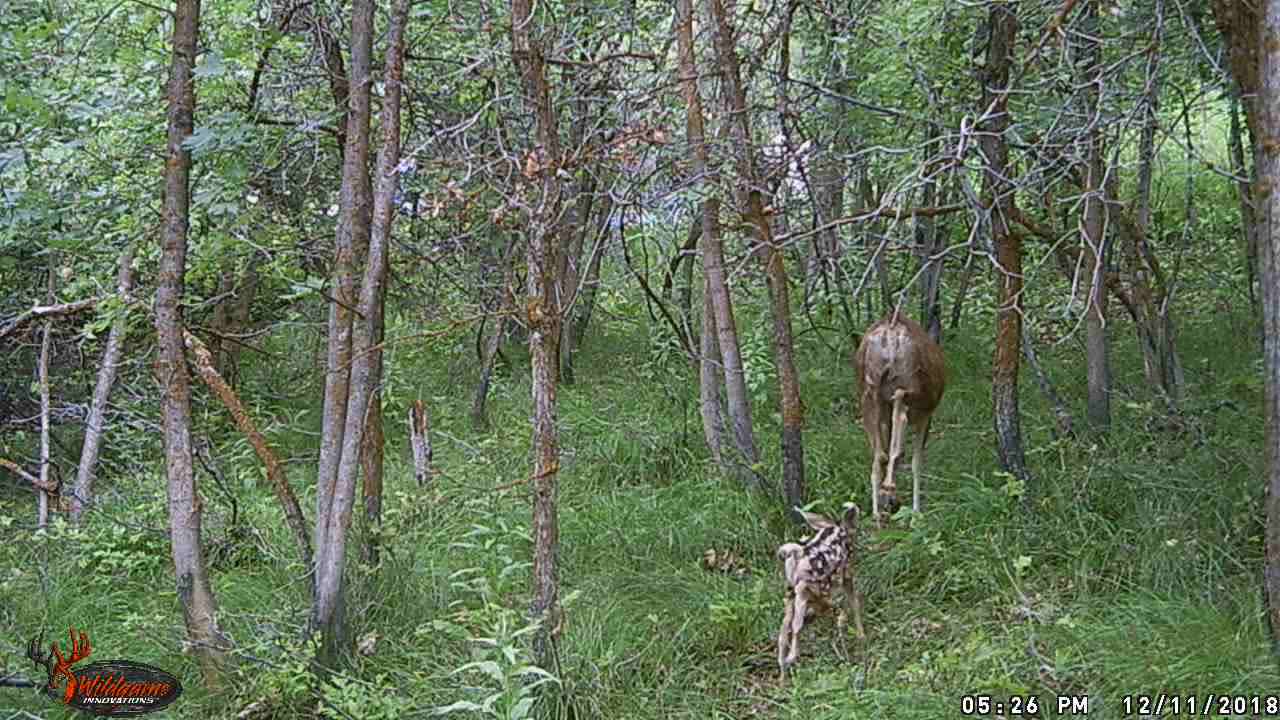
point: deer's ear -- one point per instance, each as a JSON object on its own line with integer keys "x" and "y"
{"x": 816, "y": 521}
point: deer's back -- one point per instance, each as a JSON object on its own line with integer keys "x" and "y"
{"x": 900, "y": 355}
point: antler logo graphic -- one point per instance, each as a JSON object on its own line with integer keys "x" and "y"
{"x": 80, "y": 650}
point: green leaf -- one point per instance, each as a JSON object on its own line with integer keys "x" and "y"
{"x": 488, "y": 667}
{"x": 460, "y": 706}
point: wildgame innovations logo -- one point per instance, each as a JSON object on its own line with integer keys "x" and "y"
{"x": 112, "y": 688}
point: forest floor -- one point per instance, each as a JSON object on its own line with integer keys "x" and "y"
{"x": 1130, "y": 565}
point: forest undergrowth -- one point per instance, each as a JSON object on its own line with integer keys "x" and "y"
{"x": 1131, "y": 564}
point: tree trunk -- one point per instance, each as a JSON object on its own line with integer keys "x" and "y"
{"x": 1146, "y": 160}
{"x": 328, "y": 612}
{"x": 82, "y": 495}
{"x": 1094, "y": 235}
{"x": 580, "y": 314}
{"x": 349, "y": 242}
{"x": 46, "y": 342}
{"x": 1061, "y": 415}
{"x": 420, "y": 441}
{"x": 751, "y": 206}
{"x": 1268, "y": 164}
{"x": 747, "y": 456}
{"x": 1244, "y": 194}
{"x": 276, "y": 477}
{"x": 544, "y": 319}
{"x": 504, "y": 305}
{"x": 926, "y": 232}
{"x": 966, "y": 278}
{"x": 999, "y": 191}
{"x": 222, "y": 315}
{"x": 374, "y": 445}
{"x": 709, "y": 381}
{"x": 195, "y": 593}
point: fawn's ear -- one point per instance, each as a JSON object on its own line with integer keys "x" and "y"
{"x": 851, "y": 514}
{"x": 816, "y": 521}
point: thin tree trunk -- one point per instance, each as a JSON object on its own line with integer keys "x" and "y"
{"x": 999, "y": 192}
{"x": 46, "y": 342}
{"x": 966, "y": 278}
{"x": 420, "y": 441}
{"x": 276, "y": 477}
{"x": 329, "y": 610}
{"x": 505, "y": 304}
{"x": 827, "y": 189}
{"x": 1268, "y": 165}
{"x": 1094, "y": 235}
{"x": 195, "y": 593}
{"x": 374, "y": 445}
{"x": 580, "y": 318}
{"x": 1061, "y": 415}
{"x": 583, "y": 288}
{"x": 1146, "y": 161}
{"x": 709, "y": 381}
{"x": 927, "y": 237}
{"x": 339, "y": 83}
{"x": 349, "y": 242}
{"x": 82, "y": 495}
{"x": 239, "y": 316}
{"x": 222, "y": 315}
{"x": 544, "y": 319}
{"x": 751, "y": 205}
{"x": 739, "y": 405}
{"x": 1244, "y": 194}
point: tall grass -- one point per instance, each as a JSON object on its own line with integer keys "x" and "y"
{"x": 1131, "y": 562}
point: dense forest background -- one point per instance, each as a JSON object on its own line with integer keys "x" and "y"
{"x": 432, "y": 357}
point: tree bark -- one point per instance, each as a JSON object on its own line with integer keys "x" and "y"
{"x": 966, "y": 278}
{"x": 1268, "y": 164}
{"x": 46, "y": 342}
{"x": 579, "y": 315}
{"x": 374, "y": 445}
{"x": 276, "y": 476}
{"x": 195, "y": 593}
{"x": 1244, "y": 194}
{"x": 352, "y": 234}
{"x": 580, "y": 320}
{"x": 420, "y": 441}
{"x": 1094, "y": 236}
{"x": 1146, "y": 160}
{"x": 709, "y": 381}
{"x": 505, "y": 304}
{"x": 1061, "y": 415}
{"x": 927, "y": 240}
{"x": 328, "y": 613}
{"x": 543, "y": 315}
{"x": 82, "y": 494}
{"x": 747, "y": 457}
{"x": 999, "y": 191}
{"x": 751, "y": 206}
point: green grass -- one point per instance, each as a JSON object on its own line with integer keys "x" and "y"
{"x": 1130, "y": 564}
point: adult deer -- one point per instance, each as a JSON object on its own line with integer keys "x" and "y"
{"x": 901, "y": 376}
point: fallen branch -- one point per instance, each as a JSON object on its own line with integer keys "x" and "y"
{"x": 16, "y": 469}
{"x": 275, "y": 470}
{"x": 47, "y": 311}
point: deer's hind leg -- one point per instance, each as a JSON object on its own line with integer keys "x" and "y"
{"x": 875, "y": 424}
{"x": 897, "y": 429}
{"x": 919, "y": 428}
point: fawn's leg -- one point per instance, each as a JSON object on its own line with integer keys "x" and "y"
{"x": 797, "y": 622}
{"x": 784, "y": 634}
